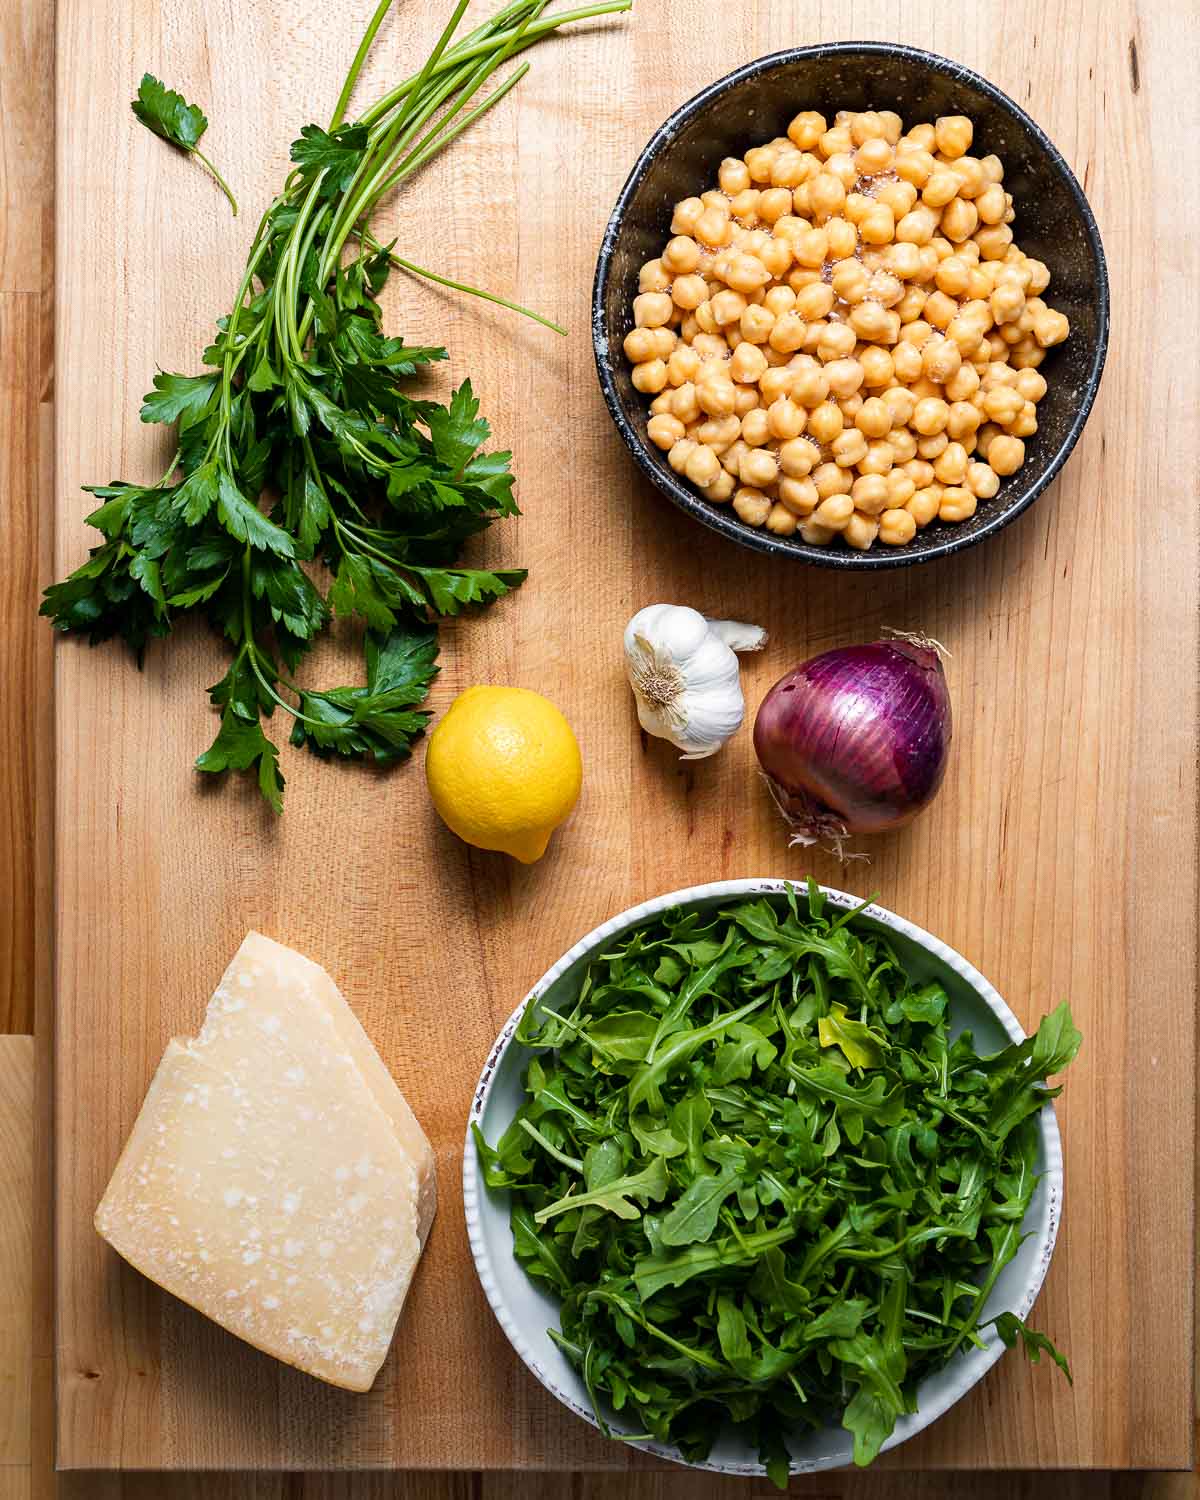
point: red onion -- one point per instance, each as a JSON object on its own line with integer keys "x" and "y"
{"x": 856, "y": 740}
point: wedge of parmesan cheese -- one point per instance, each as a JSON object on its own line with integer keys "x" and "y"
{"x": 276, "y": 1178}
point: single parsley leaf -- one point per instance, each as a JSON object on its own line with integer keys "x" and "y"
{"x": 241, "y": 745}
{"x": 170, "y": 116}
{"x": 337, "y": 153}
{"x": 185, "y": 399}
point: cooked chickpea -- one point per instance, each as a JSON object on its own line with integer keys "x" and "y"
{"x": 914, "y": 165}
{"x": 842, "y": 237}
{"x": 733, "y": 176}
{"x": 810, "y": 386}
{"x": 930, "y": 447}
{"x": 878, "y": 367}
{"x": 664, "y": 431}
{"x": 702, "y": 465}
{"x": 720, "y": 433}
{"x": 849, "y": 448}
{"x": 860, "y": 532}
{"x": 900, "y": 197}
{"x": 780, "y": 520}
{"x": 950, "y": 466}
{"x": 940, "y": 189}
{"x": 814, "y": 301}
{"x": 807, "y": 129}
{"x": 963, "y": 384}
{"x": 1002, "y": 404}
{"x": 879, "y": 457}
{"x": 825, "y": 423}
{"x": 900, "y": 487}
{"x": 982, "y": 480}
{"x": 874, "y": 418}
{"x": 680, "y": 453}
{"x": 685, "y": 403}
{"x": 716, "y": 395}
{"x": 844, "y": 376}
{"x": 746, "y": 273}
{"x": 754, "y": 429}
{"x": 649, "y": 377}
{"x": 759, "y": 468}
{"x": 834, "y": 512}
{"x": 1050, "y": 328}
{"x": 686, "y": 216}
{"x": 963, "y": 421}
{"x": 900, "y": 402}
{"x": 756, "y": 324}
{"x": 814, "y": 535}
{"x": 652, "y": 309}
{"x": 874, "y": 324}
{"x": 873, "y": 156}
{"x": 1006, "y": 454}
{"x": 747, "y": 363}
{"x": 953, "y": 135}
{"x": 906, "y": 359}
{"x": 830, "y": 479}
{"x": 799, "y": 495}
{"x": 1031, "y": 385}
{"x": 836, "y": 341}
{"x": 785, "y": 420}
{"x": 896, "y": 528}
{"x": 878, "y": 226}
{"x": 958, "y": 504}
{"x": 930, "y": 416}
{"x": 925, "y": 504}
{"x": 826, "y": 196}
{"x": 904, "y": 444}
{"x": 751, "y": 506}
{"x": 870, "y": 494}
{"x": 960, "y": 219}
{"x": 653, "y": 277}
{"x": 639, "y": 345}
{"x": 689, "y": 292}
{"x": 745, "y": 398}
{"x": 798, "y": 458}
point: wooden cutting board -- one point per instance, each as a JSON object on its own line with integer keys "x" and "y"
{"x": 1061, "y": 856}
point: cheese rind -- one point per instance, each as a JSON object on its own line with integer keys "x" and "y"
{"x": 266, "y": 1181}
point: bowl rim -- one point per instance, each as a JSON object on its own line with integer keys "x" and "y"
{"x": 973, "y": 1364}
{"x": 718, "y": 520}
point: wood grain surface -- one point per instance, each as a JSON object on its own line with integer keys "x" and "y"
{"x": 1061, "y": 856}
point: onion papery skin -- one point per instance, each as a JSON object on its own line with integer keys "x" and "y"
{"x": 856, "y": 740}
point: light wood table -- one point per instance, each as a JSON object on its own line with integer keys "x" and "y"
{"x": 1133, "y": 113}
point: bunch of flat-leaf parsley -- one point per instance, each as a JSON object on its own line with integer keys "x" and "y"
{"x": 768, "y": 1184}
{"x": 300, "y": 445}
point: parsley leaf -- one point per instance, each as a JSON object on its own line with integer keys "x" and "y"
{"x": 169, "y": 115}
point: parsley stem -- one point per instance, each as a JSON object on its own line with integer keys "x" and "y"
{"x": 220, "y": 181}
{"x": 484, "y": 39}
{"x": 462, "y": 286}
{"x": 360, "y": 57}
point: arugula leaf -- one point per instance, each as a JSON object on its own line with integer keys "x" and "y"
{"x": 1011, "y": 1329}
{"x": 170, "y": 116}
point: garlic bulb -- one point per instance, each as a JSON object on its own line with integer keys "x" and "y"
{"x": 684, "y": 675}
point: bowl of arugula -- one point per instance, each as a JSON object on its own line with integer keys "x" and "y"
{"x": 762, "y": 1178}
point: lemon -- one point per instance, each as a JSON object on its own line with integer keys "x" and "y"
{"x": 504, "y": 770}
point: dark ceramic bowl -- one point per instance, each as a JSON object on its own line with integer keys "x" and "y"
{"x": 754, "y": 104}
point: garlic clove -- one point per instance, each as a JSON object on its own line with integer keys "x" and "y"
{"x": 739, "y": 637}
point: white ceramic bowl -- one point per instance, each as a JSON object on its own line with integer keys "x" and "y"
{"x": 526, "y": 1311}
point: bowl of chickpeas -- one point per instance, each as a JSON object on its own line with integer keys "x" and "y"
{"x": 851, "y": 306}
